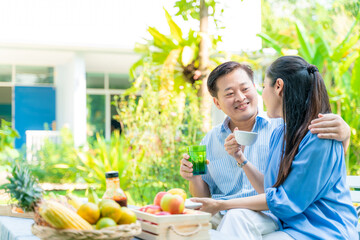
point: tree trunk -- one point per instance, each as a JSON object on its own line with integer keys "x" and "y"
{"x": 205, "y": 98}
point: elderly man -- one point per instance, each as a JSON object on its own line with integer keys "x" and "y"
{"x": 232, "y": 88}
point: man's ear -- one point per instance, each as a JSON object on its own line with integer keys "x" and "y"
{"x": 279, "y": 87}
{"x": 216, "y": 102}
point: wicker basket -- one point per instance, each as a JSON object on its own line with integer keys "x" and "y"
{"x": 123, "y": 232}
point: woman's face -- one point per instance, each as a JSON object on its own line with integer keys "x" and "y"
{"x": 272, "y": 96}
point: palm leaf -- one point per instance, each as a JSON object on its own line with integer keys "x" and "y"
{"x": 342, "y": 49}
{"x": 305, "y": 48}
{"x": 81, "y": 168}
{"x": 103, "y": 153}
{"x": 160, "y": 40}
{"x": 132, "y": 70}
{"x": 88, "y": 161}
{"x": 270, "y": 41}
{"x": 285, "y": 40}
{"x": 175, "y": 30}
{"x": 141, "y": 48}
{"x": 346, "y": 63}
{"x": 322, "y": 51}
{"x": 159, "y": 57}
{"x": 355, "y": 78}
{"x": 347, "y": 43}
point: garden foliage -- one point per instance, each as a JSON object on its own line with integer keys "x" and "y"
{"x": 56, "y": 162}
{"x": 161, "y": 113}
{"x": 159, "y": 124}
{"x": 7, "y": 138}
{"x": 335, "y": 51}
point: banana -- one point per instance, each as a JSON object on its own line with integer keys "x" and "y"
{"x": 92, "y": 196}
{"x": 74, "y": 201}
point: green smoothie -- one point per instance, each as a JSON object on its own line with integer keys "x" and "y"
{"x": 198, "y": 159}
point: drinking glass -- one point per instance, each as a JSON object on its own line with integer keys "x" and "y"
{"x": 198, "y": 159}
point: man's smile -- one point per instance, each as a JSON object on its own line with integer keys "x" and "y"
{"x": 242, "y": 106}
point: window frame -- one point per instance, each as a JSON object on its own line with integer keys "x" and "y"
{"x": 108, "y": 93}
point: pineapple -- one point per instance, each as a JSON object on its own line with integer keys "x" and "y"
{"x": 23, "y": 187}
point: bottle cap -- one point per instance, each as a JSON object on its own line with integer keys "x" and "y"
{"x": 112, "y": 174}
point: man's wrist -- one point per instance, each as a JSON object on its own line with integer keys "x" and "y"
{"x": 243, "y": 163}
{"x": 241, "y": 159}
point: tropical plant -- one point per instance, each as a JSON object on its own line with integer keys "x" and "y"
{"x": 23, "y": 187}
{"x": 179, "y": 51}
{"x": 158, "y": 124}
{"x": 104, "y": 156}
{"x": 328, "y": 17}
{"x": 340, "y": 66}
{"x": 54, "y": 160}
{"x": 187, "y": 56}
{"x": 7, "y": 138}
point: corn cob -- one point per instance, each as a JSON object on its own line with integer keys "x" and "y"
{"x": 62, "y": 217}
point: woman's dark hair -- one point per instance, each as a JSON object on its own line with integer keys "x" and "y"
{"x": 224, "y": 69}
{"x": 304, "y": 97}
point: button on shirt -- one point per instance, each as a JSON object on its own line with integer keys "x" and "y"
{"x": 226, "y": 180}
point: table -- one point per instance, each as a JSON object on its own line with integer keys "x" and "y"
{"x": 12, "y": 228}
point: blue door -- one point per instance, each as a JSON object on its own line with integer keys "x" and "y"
{"x": 34, "y": 107}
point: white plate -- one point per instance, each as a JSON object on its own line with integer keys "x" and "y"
{"x": 192, "y": 205}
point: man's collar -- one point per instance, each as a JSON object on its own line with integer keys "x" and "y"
{"x": 225, "y": 124}
{"x": 261, "y": 115}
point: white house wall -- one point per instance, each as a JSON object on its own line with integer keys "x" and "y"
{"x": 76, "y": 36}
{"x": 71, "y": 97}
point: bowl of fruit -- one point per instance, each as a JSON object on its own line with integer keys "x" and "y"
{"x": 95, "y": 219}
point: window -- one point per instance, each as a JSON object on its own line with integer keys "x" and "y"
{"x": 12, "y": 76}
{"x": 30, "y": 75}
{"x": 96, "y": 114}
{"x": 5, "y": 103}
{"x": 95, "y": 80}
{"x": 5, "y": 73}
{"x": 119, "y": 81}
{"x": 101, "y": 89}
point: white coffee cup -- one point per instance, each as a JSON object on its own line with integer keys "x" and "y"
{"x": 245, "y": 138}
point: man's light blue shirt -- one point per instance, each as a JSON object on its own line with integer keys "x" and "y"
{"x": 226, "y": 180}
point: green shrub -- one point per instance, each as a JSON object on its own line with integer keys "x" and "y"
{"x": 159, "y": 125}
{"x": 7, "y": 138}
{"x": 56, "y": 162}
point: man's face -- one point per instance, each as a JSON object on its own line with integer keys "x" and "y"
{"x": 236, "y": 96}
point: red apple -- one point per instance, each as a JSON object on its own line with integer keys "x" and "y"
{"x": 162, "y": 213}
{"x": 158, "y": 197}
{"x": 173, "y": 204}
{"x": 152, "y": 209}
{"x": 142, "y": 209}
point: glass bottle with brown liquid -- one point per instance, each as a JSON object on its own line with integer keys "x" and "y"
{"x": 113, "y": 190}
